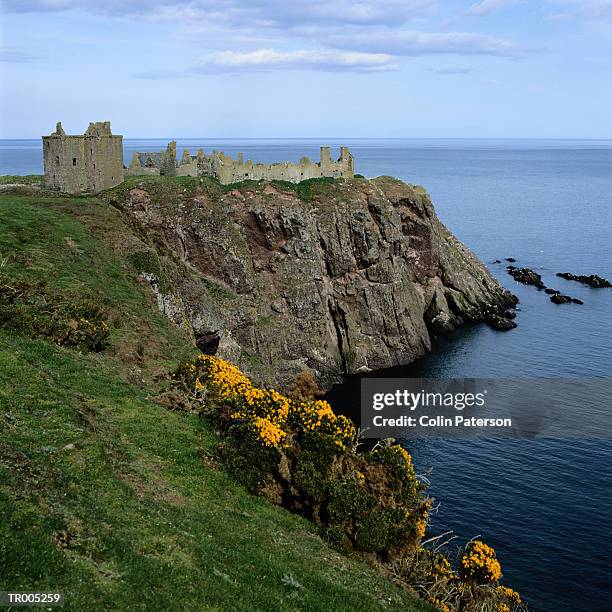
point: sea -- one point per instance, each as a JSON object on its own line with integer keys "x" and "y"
{"x": 544, "y": 505}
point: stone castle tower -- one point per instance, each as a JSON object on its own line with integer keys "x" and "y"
{"x": 83, "y": 164}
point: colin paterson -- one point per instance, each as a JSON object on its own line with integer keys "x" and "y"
{"x": 439, "y": 421}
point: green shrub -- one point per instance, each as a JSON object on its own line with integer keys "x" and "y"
{"x": 337, "y": 537}
{"x": 310, "y": 481}
{"x": 245, "y": 459}
{"x": 372, "y": 532}
{"x": 348, "y": 501}
{"x": 75, "y": 322}
{"x": 300, "y": 454}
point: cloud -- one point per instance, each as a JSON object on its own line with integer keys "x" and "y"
{"x": 269, "y": 59}
{"x": 592, "y": 10}
{"x": 452, "y": 70}
{"x": 598, "y": 9}
{"x": 364, "y": 13}
{"x": 257, "y": 35}
{"x": 44, "y": 6}
{"x": 486, "y": 7}
{"x": 11, "y": 54}
{"x": 262, "y": 12}
{"x": 426, "y": 43}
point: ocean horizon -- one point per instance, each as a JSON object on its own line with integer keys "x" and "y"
{"x": 24, "y": 156}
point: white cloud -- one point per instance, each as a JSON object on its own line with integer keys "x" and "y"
{"x": 269, "y": 59}
{"x": 326, "y": 35}
{"x": 486, "y": 7}
{"x": 258, "y": 12}
{"x": 11, "y": 54}
{"x": 45, "y": 6}
{"x": 594, "y": 10}
{"x": 426, "y": 43}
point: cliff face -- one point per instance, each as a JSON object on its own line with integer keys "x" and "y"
{"x": 340, "y": 277}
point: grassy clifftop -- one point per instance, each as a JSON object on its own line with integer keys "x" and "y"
{"x": 107, "y": 496}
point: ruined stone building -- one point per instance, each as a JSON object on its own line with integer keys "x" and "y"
{"x": 229, "y": 170}
{"x": 94, "y": 162}
{"x": 81, "y": 164}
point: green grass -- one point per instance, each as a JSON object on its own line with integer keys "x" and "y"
{"x": 165, "y": 188}
{"x": 75, "y": 245}
{"x": 111, "y": 498}
{"x": 186, "y": 186}
{"x": 168, "y": 188}
{"x": 28, "y": 179}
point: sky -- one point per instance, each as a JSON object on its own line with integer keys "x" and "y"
{"x": 308, "y": 68}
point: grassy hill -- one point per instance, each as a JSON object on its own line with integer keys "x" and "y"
{"x": 107, "y": 496}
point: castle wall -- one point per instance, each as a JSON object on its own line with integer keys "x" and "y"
{"x": 190, "y": 169}
{"x": 229, "y": 170}
{"x": 168, "y": 160}
{"x": 233, "y": 171}
{"x": 137, "y": 169}
{"x": 64, "y": 161}
{"x": 142, "y": 171}
{"x": 105, "y": 167}
{"x": 155, "y": 163}
{"x": 78, "y": 164}
{"x": 188, "y": 165}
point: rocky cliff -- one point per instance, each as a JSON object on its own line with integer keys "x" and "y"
{"x": 338, "y": 276}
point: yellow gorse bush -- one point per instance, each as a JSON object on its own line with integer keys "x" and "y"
{"x": 443, "y": 567}
{"x": 317, "y": 415}
{"x": 270, "y": 414}
{"x": 403, "y": 454}
{"x": 225, "y": 378}
{"x": 479, "y": 564}
{"x": 509, "y": 594}
{"x": 271, "y": 434}
{"x": 421, "y": 527}
{"x": 255, "y": 420}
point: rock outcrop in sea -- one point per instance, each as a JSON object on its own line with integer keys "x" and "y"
{"x": 592, "y": 280}
{"x": 559, "y": 298}
{"x": 339, "y": 276}
{"x": 526, "y": 276}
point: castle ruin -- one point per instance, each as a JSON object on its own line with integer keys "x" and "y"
{"x": 83, "y": 164}
{"x": 94, "y": 162}
{"x": 229, "y": 170}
